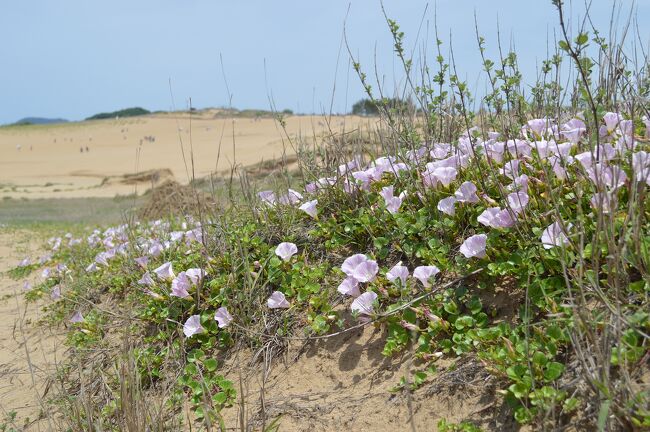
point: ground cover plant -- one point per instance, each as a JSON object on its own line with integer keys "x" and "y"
{"x": 538, "y": 201}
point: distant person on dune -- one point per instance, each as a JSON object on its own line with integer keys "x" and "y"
{"x": 87, "y": 150}
{"x": 18, "y": 147}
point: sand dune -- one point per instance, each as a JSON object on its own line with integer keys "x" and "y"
{"x": 96, "y": 158}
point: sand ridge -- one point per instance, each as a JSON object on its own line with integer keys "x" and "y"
{"x": 72, "y": 160}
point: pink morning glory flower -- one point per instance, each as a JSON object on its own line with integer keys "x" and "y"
{"x": 195, "y": 275}
{"x": 554, "y": 236}
{"x": 180, "y": 285}
{"x": 364, "y": 304}
{"x": 192, "y": 326}
{"x": 398, "y": 272}
{"x": 538, "y": 126}
{"x": 277, "y": 301}
{"x": 223, "y": 317}
{"x": 511, "y": 168}
{"x": 447, "y": 205}
{"x": 605, "y": 201}
{"x": 496, "y": 218}
{"x": 156, "y": 249}
{"x": 146, "y": 279}
{"x": 309, "y": 207}
{"x": 77, "y": 317}
{"x": 27, "y": 286}
{"x": 574, "y": 135}
{"x": 474, "y": 246}
{"x": 366, "y": 271}
{"x": 349, "y": 286}
{"x": 92, "y": 267}
{"x": 442, "y": 175}
{"x": 291, "y": 197}
{"x": 352, "y": 262}
{"x": 518, "y": 201}
{"x": 56, "y": 292}
{"x": 641, "y": 166}
{"x": 518, "y": 148}
{"x": 393, "y": 203}
{"x": 267, "y": 197}
{"x": 286, "y": 250}
{"x": 24, "y": 263}
{"x": 467, "y": 193}
{"x": 611, "y": 177}
{"x": 142, "y": 261}
{"x": 612, "y": 121}
{"x": 165, "y": 271}
{"x": 101, "y": 258}
{"x": 425, "y": 273}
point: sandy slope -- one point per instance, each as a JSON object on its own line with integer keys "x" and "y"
{"x": 46, "y": 161}
{"x": 28, "y": 351}
{"x": 345, "y": 383}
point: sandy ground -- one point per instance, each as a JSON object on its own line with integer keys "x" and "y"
{"x": 47, "y": 161}
{"x": 28, "y": 351}
{"x": 345, "y": 383}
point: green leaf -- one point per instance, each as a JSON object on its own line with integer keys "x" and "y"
{"x": 211, "y": 364}
{"x": 582, "y": 38}
{"x": 603, "y": 413}
{"x": 539, "y": 358}
{"x": 553, "y": 371}
{"x": 220, "y": 398}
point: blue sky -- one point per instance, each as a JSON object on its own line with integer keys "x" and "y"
{"x": 74, "y": 58}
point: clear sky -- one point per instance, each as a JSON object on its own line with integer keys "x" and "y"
{"x": 74, "y": 58}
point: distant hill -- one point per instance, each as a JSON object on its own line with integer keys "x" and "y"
{"x": 39, "y": 120}
{"x": 127, "y": 112}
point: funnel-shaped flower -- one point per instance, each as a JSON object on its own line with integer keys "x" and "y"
{"x": 474, "y": 246}
{"x": 56, "y": 292}
{"x": 398, "y": 272}
{"x": 364, "y": 304}
{"x": 554, "y": 236}
{"x": 349, "y": 286}
{"x": 604, "y": 201}
{"x": 195, "y": 275}
{"x": 612, "y": 121}
{"x": 223, "y": 317}
{"x": 309, "y": 207}
{"x": 192, "y": 326}
{"x": 77, "y": 317}
{"x": 511, "y": 169}
{"x": 352, "y": 262}
{"x": 165, "y": 271}
{"x": 518, "y": 201}
{"x": 467, "y": 193}
{"x": 286, "y": 250}
{"x": 267, "y": 197}
{"x": 146, "y": 279}
{"x": 277, "y": 301}
{"x": 425, "y": 273}
{"x": 142, "y": 261}
{"x": 27, "y": 286}
{"x": 444, "y": 175}
{"x": 447, "y": 205}
{"x": 496, "y": 218}
{"x": 92, "y": 267}
{"x": 156, "y": 249}
{"x": 366, "y": 271}
{"x": 180, "y": 285}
